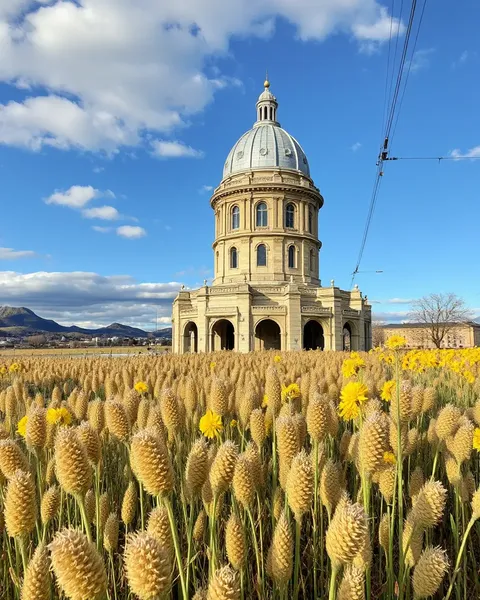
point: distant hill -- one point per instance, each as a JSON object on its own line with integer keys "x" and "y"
{"x": 23, "y": 321}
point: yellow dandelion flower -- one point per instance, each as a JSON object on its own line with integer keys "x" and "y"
{"x": 290, "y": 392}
{"x": 233, "y": 423}
{"x": 351, "y": 397}
{"x": 22, "y": 426}
{"x": 387, "y": 390}
{"x": 15, "y": 367}
{"x": 265, "y": 401}
{"x": 60, "y": 416}
{"x": 395, "y": 342}
{"x": 277, "y": 359}
{"x": 213, "y": 365}
{"x": 469, "y": 376}
{"x": 210, "y": 424}
{"x": 3, "y": 370}
{"x": 349, "y": 368}
{"x": 141, "y": 387}
{"x": 476, "y": 439}
{"x": 389, "y": 458}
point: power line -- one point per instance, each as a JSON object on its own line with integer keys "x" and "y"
{"x": 439, "y": 158}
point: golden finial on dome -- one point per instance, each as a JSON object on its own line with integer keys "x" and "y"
{"x": 266, "y": 83}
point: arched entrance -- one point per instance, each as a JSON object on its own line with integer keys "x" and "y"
{"x": 267, "y": 335}
{"x": 190, "y": 337}
{"x": 223, "y": 335}
{"x": 313, "y": 338}
{"x": 347, "y": 337}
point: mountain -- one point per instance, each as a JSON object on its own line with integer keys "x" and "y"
{"x": 23, "y": 321}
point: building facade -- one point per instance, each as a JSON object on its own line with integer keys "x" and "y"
{"x": 418, "y": 335}
{"x": 266, "y": 291}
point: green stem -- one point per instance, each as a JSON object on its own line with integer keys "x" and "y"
{"x": 315, "y": 520}
{"x": 298, "y": 530}
{"x": 257, "y": 553}
{"x": 112, "y": 566}
{"x": 459, "y": 558}
{"x": 178, "y": 557}
{"x": 400, "y": 480}
{"x": 83, "y": 513}
{"x": 332, "y": 593}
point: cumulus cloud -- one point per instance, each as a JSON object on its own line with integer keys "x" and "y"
{"x": 75, "y": 197}
{"x": 101, "y": 229}
{"x": 89, "y": 299}
{"x": 114, "y": 72}
{"x": 356, "y": 146}
{"x": 11, "y": 254}
{"x": 472, "y": 153}
{"x": 164, "y": 149}
{"x": 205, "y": 188}
{"x": 107, "y": 213}
{"x": 421, "y": 59}
{"x": 390, "y": 317}
{"x": 131, "y": 231}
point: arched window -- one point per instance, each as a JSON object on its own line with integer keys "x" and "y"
{"x": 312, "y": 260}
{"x": 261, "y": 219}
{"x": 233, "y": 258}
{"x": 290, "y": 216}
{"x": 235, "y": 217}
{"x": 310, "y": 220}
{"x": 261, "y": 255}
{"x": 291, "y": 257}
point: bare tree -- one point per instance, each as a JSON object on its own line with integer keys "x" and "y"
{"x": 378, "y": 333}
{"x": 440, "y": 313}
{"x": 37, "y": 341}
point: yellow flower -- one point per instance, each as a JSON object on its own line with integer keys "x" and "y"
{"x": 22, "y": 426}
{"x": 395, "y": 342}
{"x": 389, "y": 457}
{"x": 290, "y": 392}
{"x": 3, "y": 370}
{"x": 387, "y": 390}
{"x": 265, "y": 401}
{"x": 60, "y": 416}
{"x": 14, "y": 367}
{"x": 141, "y": 387}
{"x": 210, "y": 424}
{"x": 476, "y": 439}
{"x": 213, "y": 365}
{"x": 233, "y": 423}
{"x": 351, "y": 397}
{"x": 469, "y": 376}
{"x": 277, "y": 359}
{"x": 349, "y": 368}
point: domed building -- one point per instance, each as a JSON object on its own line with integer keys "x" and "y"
{"x": 266, "y": 292}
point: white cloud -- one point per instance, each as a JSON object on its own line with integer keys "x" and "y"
{"x": 356, "y": 146}
{"x": 390, "y": 317}
{"x": 164, "y": 149}
{"x": 399, "y": 301}
{"x": 116, "y": 71}
{"x": 101, "y": 229}
{"x": 98, "y": 169}
{"x": 75, "y": 197}
{"x": 107, "y": 213}
{"x": 131, "y": 232}
{"x": 11, "y": 254}
{"x": 472, "y": 153}
{"x": 205, "y": 188}
{"x": 421, "y": 59}
{"x": 89, "y": 299}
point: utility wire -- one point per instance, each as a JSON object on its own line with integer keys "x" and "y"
{"x": 439, "y": 158}
{"x": 391, "y": 115}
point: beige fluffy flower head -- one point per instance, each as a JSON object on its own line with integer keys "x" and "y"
{"x": 430, "y": 504}
{"x": 429, "y": 572}
{"x": 72, "y": 466}
{"x": 78, "y": 566}
{"x": 20, "y": 504}
{"x": 347, "y": 532}
{"x": 224, "y": 585}
{"x": 147, "y": 565}
{"x": 151, "y": 463}
{"x": 36, "y": 583}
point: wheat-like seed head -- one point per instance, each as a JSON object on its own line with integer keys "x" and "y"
{"x": 287, "y": 445}
{"x": 347, "y": 532}
{"x": 147, "y": 565}
{"x": 116, "y": 420}
{"x": 96, "y": 414}
{"x": 50, "y": 504}
{"x": 352, "y": 584}
{"x": 110, "y": 533}
{"x": 91, "y": 440}
{"x": 386, "y": 482}
{"x": 36, "y": 582}
{"x": 429, "y": 572}
{"x": 243, "y": 484}
{"x": 331, "y": 485}
{"x": 447, "y": 421}
{"x": 476, "y": 504}
{"x": 373, "y": 443}
{"x": 416, "y": 482}
{"x": 11, "y": 458}
{"x": 430, "y": 504}
{"x": 235, "y": 542}
{"x": 199, "y": 526}
{"x": 36, "y": 432}
{"x": 90, "y": 506}
{"x": 257, "y": 426}
{"x": 223, "y": 466}
{"x": 463, "y": 442}
{"x": 72, "y": 467}
{"x": 384, "y": 532}
{"x": 282, "y": 552}
{"x": 20, "y": 504}
{"x": 78, "y": 566}
{"x": 429, "y": 399}
{"x": 196, "y": 470}
{"x": 300, "y": 485}
{"x": 219, "y": 397}
{"x": 170, "y": 412}
{"x": 129, "y": 504}
{"x": 412, "y": 539}
{"x": 151, "y": 463}
{"x": 224, "y": 585}
{"x": 158, "y": 526}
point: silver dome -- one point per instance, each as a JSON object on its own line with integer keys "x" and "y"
{"x": 266, "y": 146}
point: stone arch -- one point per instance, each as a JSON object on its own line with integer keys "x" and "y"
{"x": 222, "y": 335}
{"x": 268, "y": 335}
{"x": 190, "y": 337}
{"x": 350, "y": 337}
{"x": 313, "y": 335}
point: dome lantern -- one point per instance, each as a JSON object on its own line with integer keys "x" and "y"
{"x": 266, "y": 106}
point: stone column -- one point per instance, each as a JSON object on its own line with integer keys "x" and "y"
{"x": 293, "y": 334}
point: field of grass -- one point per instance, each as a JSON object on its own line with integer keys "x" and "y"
{"x": 225, "y": 477}
{"x": 90, "y": 350}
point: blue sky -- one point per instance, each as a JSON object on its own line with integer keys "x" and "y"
{"x": 116, "y": 118}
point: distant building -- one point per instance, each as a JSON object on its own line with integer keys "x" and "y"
{"x": 460, "y": 335}
{"x": 266, "y": 292}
